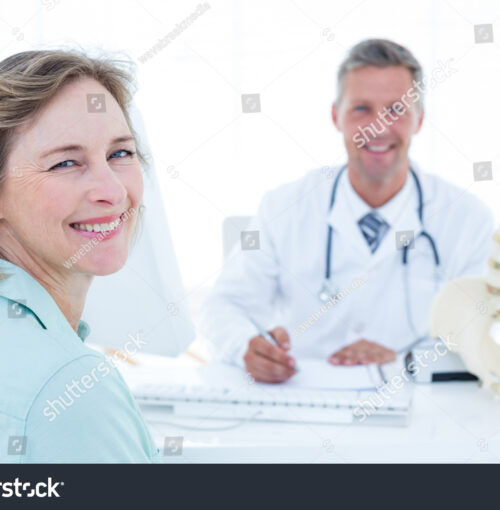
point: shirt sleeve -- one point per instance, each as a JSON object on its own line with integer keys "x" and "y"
{"x": 86, "y": 414}
{"x": 246, "y": 289}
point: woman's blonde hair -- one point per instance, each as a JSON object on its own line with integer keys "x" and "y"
{"x": 30, "y": 79}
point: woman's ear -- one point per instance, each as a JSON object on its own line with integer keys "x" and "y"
{"x": 1, "y": 200}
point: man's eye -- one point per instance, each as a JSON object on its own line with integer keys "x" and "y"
{"x": 64, "y": 164}
{"x": 123, "y": 153}
{"x": 359, "y": 108}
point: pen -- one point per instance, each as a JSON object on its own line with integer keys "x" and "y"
{"x": 121, "y": 355}
{"x": 264, "y": 334}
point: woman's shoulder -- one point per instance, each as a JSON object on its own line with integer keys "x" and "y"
{"x": 82, "y": 412}
{"x": 30, "y": 356}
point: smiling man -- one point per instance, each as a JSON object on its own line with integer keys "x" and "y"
{"x": 349, "y": 258}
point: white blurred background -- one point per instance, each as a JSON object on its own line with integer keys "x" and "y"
{"x": 213, "y": 160}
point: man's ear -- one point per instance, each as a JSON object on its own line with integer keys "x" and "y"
{"x": 335, "y": 116}
{"x": 420, "y": 120}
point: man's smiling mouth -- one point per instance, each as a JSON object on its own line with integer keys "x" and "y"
{"x": 378, "y": 148}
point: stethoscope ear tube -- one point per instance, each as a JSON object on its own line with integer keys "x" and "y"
{"x": 324, "y": 291}
{"x": 330, "y": 229}
{"x": 432, "y": 244}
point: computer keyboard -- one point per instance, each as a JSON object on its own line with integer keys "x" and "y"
{"x": 275, "y": 403}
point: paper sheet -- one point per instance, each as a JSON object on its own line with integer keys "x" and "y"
{"x": 320, "y": 374}
{"x": 313, "y": 373}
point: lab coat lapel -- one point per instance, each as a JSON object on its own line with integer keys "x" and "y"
{"x": 347, "y": 234}
{"x": 407, "y": 221}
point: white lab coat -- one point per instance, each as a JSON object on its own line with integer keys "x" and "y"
{"x": 279, "y": 283}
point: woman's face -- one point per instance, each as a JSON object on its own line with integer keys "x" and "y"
{"x": 73, "y": 184}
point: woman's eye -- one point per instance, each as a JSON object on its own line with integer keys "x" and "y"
{"x": 63, "y": 164}
{"x": 359, "y": 108}
{"x": 121, "y": 154}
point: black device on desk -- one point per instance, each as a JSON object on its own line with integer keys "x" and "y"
{"x": 427, "y": 364}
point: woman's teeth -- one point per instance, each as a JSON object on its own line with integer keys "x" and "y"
{"x": 102, "y": 227}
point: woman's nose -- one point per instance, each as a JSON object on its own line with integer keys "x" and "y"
{"x": 106, "y": 185}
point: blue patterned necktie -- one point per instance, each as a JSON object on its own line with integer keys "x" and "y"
{"x": 373, "y": 228}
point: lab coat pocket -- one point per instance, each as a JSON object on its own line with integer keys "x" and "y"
{"x": 420, "y": 293}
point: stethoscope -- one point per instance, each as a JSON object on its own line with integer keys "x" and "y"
{"x": 326, "y": 293}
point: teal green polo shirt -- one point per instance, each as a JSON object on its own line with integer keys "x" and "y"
{"x": 60, "y": 401}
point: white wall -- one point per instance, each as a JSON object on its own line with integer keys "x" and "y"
{"x": 190, "y": 93}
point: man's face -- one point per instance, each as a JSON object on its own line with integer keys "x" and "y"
{"x": 377, "y": 115}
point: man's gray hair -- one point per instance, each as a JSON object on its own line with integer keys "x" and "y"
{"x": 379, "y": 53}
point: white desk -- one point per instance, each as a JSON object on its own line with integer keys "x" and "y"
{"x": 450, "y": 422}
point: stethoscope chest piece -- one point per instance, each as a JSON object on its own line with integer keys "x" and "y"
{"x": 326, "y": 292}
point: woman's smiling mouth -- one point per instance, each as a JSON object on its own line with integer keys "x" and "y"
{"x": 103, "y": 228}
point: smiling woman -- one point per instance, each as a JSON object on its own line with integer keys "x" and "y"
{"x": 70, "y": 180}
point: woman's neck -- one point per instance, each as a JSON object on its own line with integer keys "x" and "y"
{"x": 67, "y": 288}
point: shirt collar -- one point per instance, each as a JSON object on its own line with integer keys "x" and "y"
{"x": 349, "y": 207}
{"x": 400, "y": 213}
{"x": 390, "y": 211}
{"x": 19, "y": 286}
{"x": 406, "y": 197}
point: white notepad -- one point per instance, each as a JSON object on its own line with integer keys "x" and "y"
{"x": 320, "y": 374}
{"x": 313, "y": 374}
